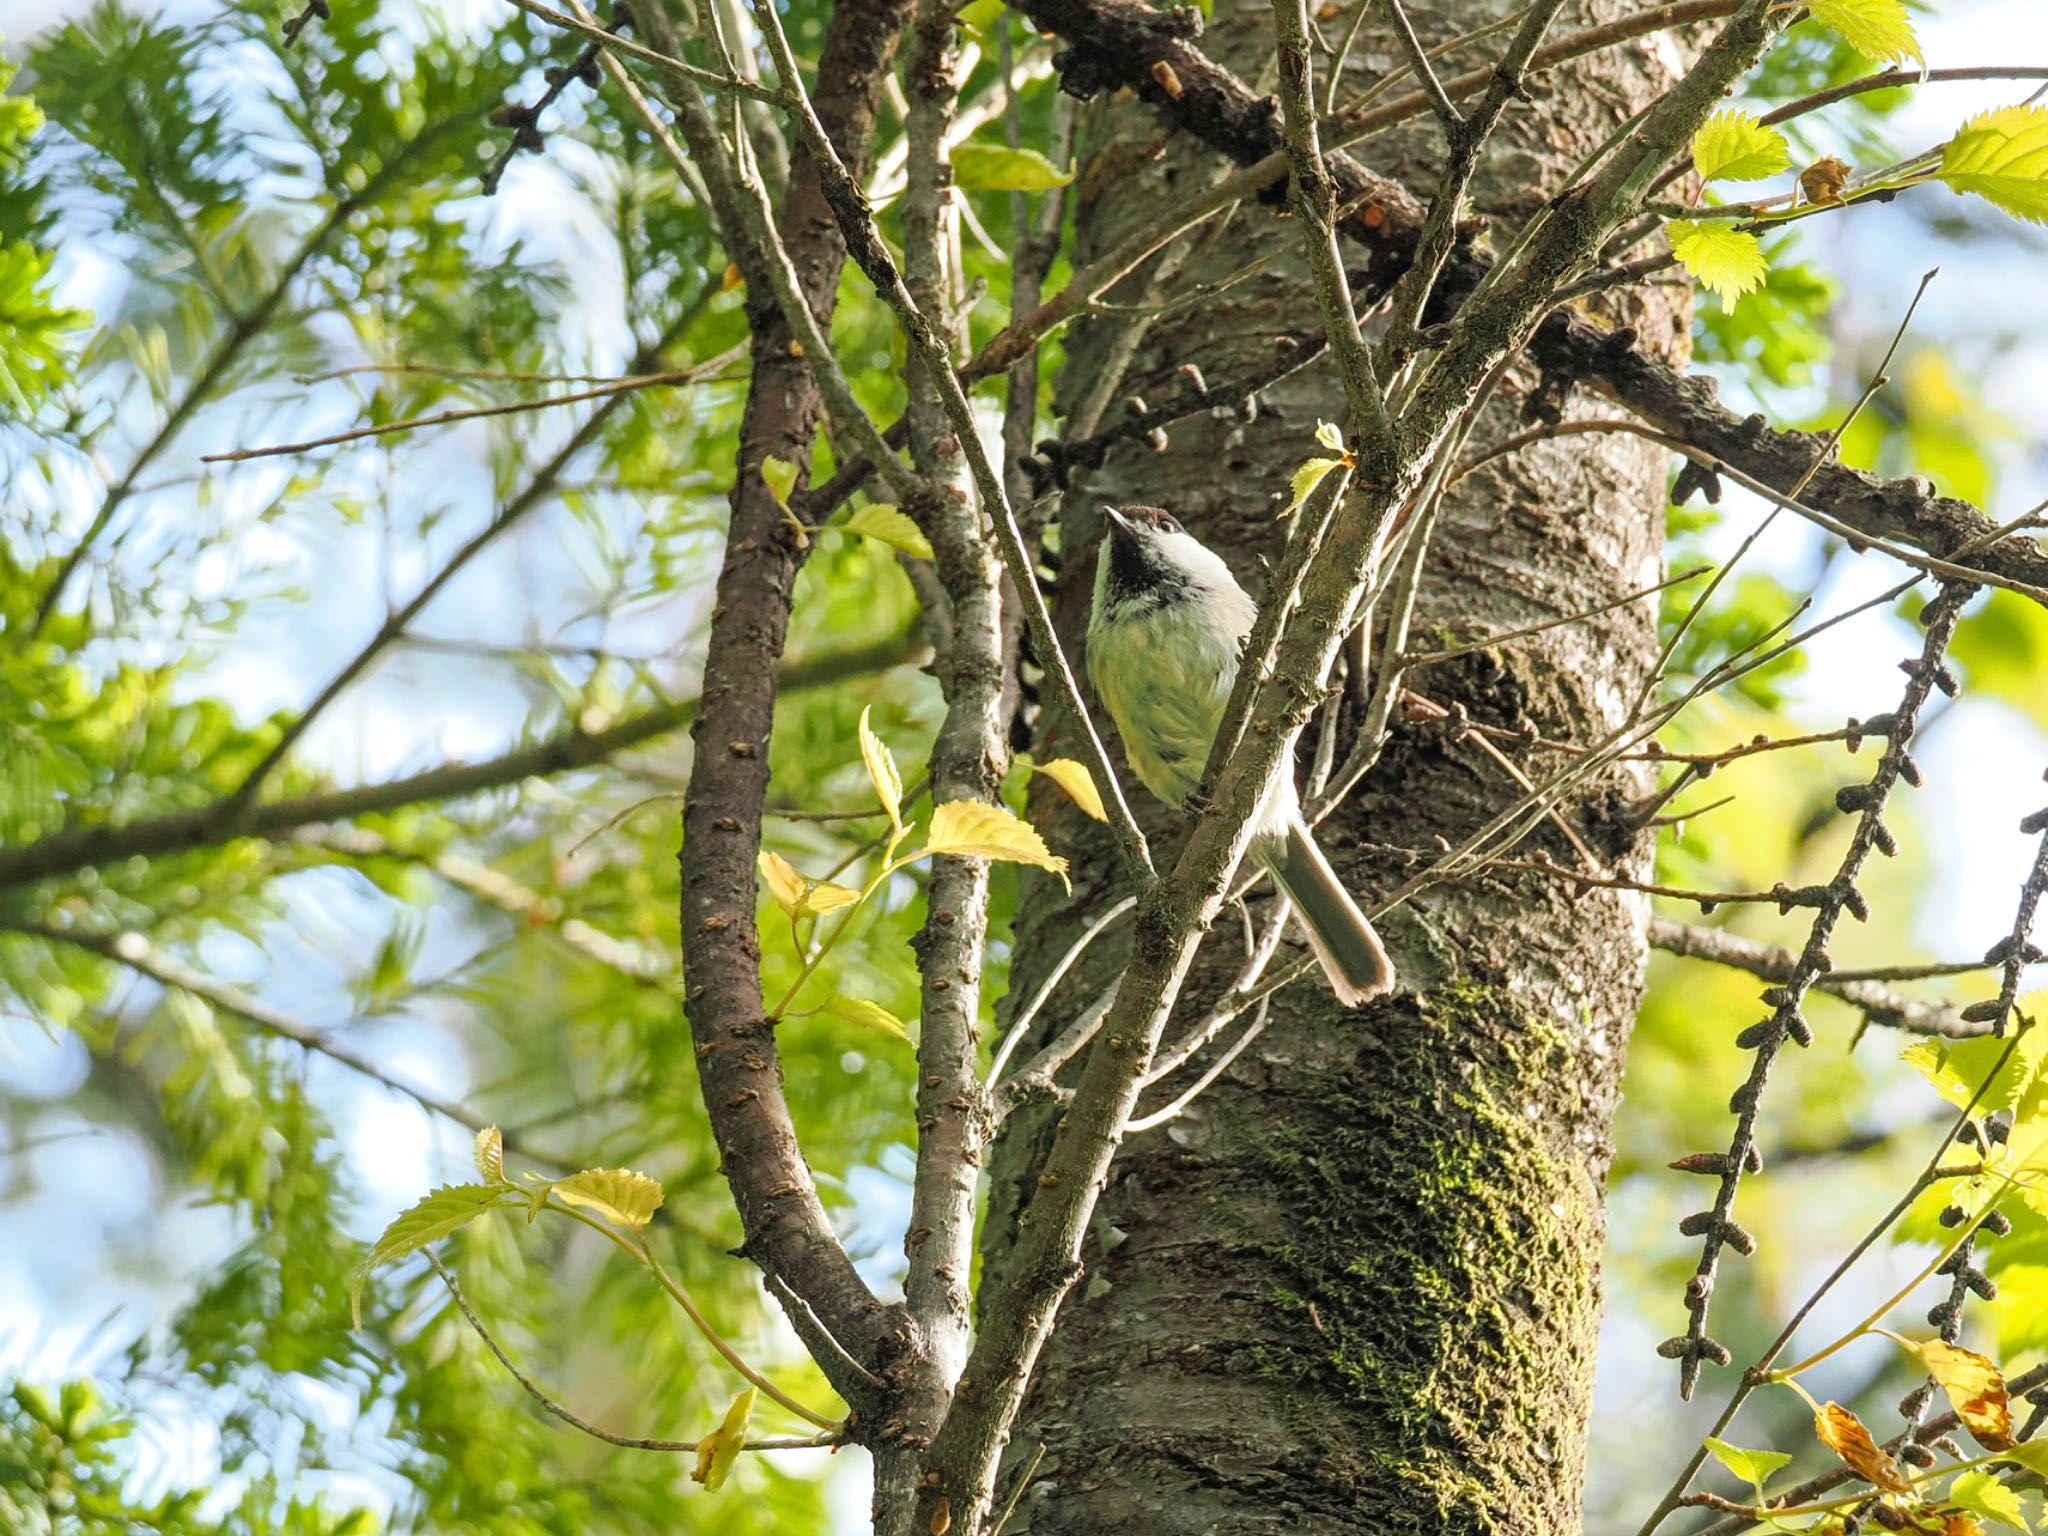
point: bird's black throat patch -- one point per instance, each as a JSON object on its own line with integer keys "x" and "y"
{"x": 1139, "y": 574}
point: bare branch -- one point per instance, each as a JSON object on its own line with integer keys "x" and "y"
{"x": 671, "y": 67}
{"x": 1425, "y": 74}
{"x": 1880, "y": 1004}
{"x": 680, "y": 376}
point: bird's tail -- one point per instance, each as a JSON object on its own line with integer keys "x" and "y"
{"x": 1351, "y": 954}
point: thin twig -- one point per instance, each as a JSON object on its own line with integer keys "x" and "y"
{"x": 549, "y": 1405}
{"x": 471, "y": 413}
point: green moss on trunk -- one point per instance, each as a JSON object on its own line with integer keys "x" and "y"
{"x": 1444, "y": 1263}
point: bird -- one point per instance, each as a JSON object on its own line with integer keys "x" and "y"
{"x": 1165, "y": 631}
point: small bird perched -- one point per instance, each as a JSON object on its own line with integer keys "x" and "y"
{"x": 1164, "y": 635}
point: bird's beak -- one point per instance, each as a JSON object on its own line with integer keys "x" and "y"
{"x": 1118, "y": 523}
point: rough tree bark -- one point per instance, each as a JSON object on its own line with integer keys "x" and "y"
{"x": 1356, "y": 1286}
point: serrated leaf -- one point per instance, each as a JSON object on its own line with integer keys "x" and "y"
{"x": 448, "y": 1208}
{"x": 892, "y": 526}
{"x": 1976, "y": 1390}
{"x": 1734, "y": 146}
{"x": 617, "y": 1194}
{"x": 998, "y": 168}
{"x": 779, "y": 475}
{"x": 858, "y": 1010}
{"x": 1981, "y": 1493}
{"x": 717, "y": 1451}
{"x": 1306, "y": 479}
{"x": 1880, "y": 30}
{"x": 1726, "y": 260}
{"x": 975, "y": 830}
{"x": 1330, "y": 435}
{"x": 2002, "y": 156}
{"x": 1843, "y": 1433}
{"x": 882, "y": 773}
{"x": 1078, "y": 783}
{"x": 490, "y": 1154}
{"x": 1931, "y": 1060}
{"x": 1753, "y": 1467}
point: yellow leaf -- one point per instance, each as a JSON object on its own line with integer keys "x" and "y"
{"x": 617, "y": 1194}
{"x": 1077, "y": 781}
{"x": 974, "y": 830}
{"x": 797, "y": 893}
{"x": 858, "y": 1010}
{"x": 882, "y": 773}
{"x": 1734, "y": 146}
{"x": 822, "y": 896}
{"x": 891, "y": 526}
{"x": 1306, "y": 479}
{"x": 490, "y": 1154}
{"x": 1877, "y": 29}
{"x": 779, "y": 475}
{"x": 784, "y": 883}
{"x": 1975, "y": 1390}
{"x": 1330, "y": 435}
{"x": 2002, "y": 156}
{"x": 1726, "y": 260}
{"x": 1843, "y": 1433}
{"x": 717, "y": 1451}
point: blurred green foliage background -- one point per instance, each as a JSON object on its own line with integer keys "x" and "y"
{"x": 215, "y": 241}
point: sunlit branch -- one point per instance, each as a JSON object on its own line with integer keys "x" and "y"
{"x": 667, "y": 64}
{"x": 681, "y": 376}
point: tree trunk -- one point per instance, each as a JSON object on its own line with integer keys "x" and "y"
{"x": 1355, "y": 1288}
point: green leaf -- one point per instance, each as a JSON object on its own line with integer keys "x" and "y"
{"x": 1726, "y": 260}
{"x": 980, "y": 15}
{"x": 1305, "y": 480}
{"x": 892, "y": 526}
{"x": 1753, "y": 1467}
{"x": 617, "y": 1194}
{"x": 1734, "y": 146}
{"x": 858, "y": 1010}
{"x": 447, "y": 1208}
{"x": 2031, "y": 1454}
{"x": 1981, "y": 1493}
{"x": 779, "y": 475}
{"x": 2002, "y": 156}
{"x": 717, "y": 1451}
{"x": 882, "y": 772}
{"x": 1878, "y": 29}
{"x": 998, "y": 168}
{"x": 973, "y": 830}
{"x": 1933, "y": 1061}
